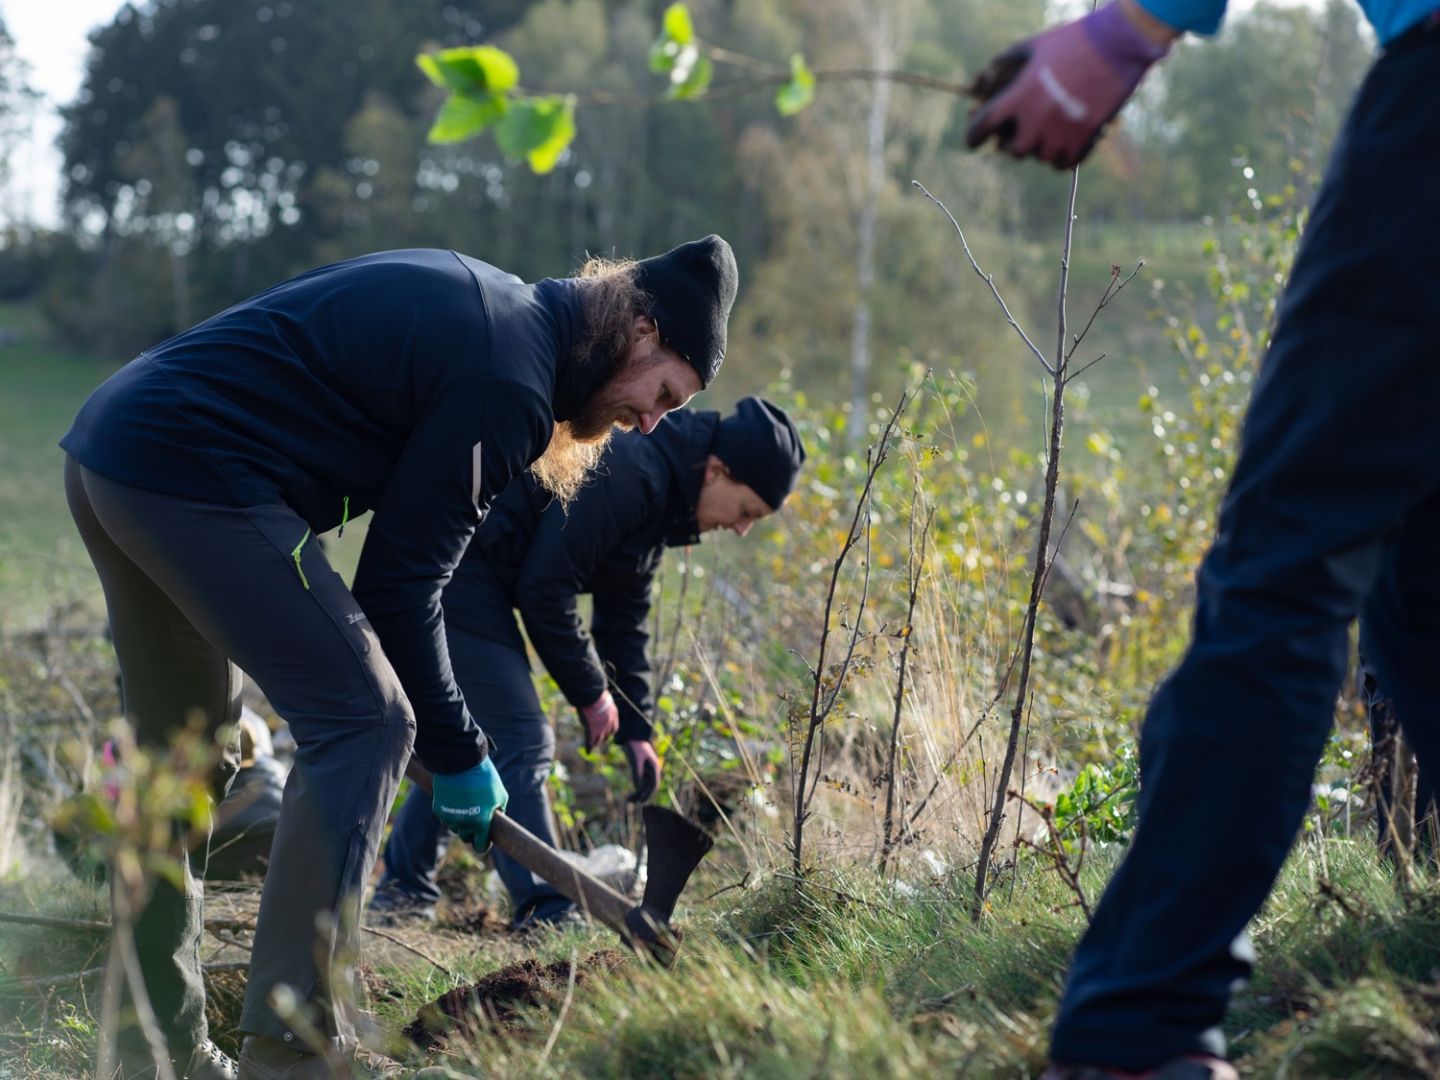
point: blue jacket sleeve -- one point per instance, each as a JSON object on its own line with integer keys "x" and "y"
{"x": 1196, "y": 16}
{"x": 471, "y": 441}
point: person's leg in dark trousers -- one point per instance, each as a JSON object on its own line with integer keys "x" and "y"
{"x": 495, "y": 677}
{"x": 170, "y": 674}
{"x": 1233, "y": 736}
{"x": 1402, "y": 639}
{"x": 414, "y": 848}
{"x": 304, "y": 640}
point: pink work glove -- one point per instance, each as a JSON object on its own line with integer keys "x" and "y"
{"x": 602, "y": 720}
{"x": 644, "y": 768}
{"x": 1050, "y": 95}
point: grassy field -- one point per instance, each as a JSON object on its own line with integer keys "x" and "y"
{"x": 41, "y": 559}
{"x": 42, "y": 562}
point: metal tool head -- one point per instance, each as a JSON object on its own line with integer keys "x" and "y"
{"x": 675, "y": 846}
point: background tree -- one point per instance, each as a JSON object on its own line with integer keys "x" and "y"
{"x": 302, "y": 130}
{"x": 18, "y": 102}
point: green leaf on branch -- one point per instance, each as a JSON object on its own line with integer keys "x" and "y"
{"x": 476, "y": 70}
{"x": 799, "y": 92}
{"x": 676, "y": 44}
{"x": 463, "y": 116}
{"x": 677, "y": 24}
{"x": 695, "y": 82}
{"x": 537, "y": 129}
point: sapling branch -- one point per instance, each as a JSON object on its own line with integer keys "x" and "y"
{"x": 823, "y": 699}
{"x": 1113, "y": 288}
{"x": 750, "y": 85}
{"x": 1040, "y": 570}
{"x": 1021, "y": 659}
{"x": 1054, "y": 851}
{"x": 1087, "y": 366}
{"x": 989, "y": 279}
{"x": 915, "y": 567}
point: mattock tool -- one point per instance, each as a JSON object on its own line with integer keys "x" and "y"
{"x": 675, "y": 846}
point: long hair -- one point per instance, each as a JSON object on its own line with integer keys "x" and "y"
{"x": 611, "y": 297}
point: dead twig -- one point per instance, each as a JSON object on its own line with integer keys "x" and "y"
{"x": 1054, "y": 852}
{"x": 744, "y": 881}
{"x": 410, "y": 948}
{"x": 52, "y": 922}
{"x": 41, "y": 982}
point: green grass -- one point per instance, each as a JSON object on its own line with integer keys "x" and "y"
{"x": 41, "y": 387}
{"x": 847, "y": 979}
{"x": 43, "y": 564}
{"x": 850, "y": 977}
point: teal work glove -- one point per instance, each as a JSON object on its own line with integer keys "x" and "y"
{"x": 466, "y": 801}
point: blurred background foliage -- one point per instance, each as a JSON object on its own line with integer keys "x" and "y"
{"x": 217, "y": 146}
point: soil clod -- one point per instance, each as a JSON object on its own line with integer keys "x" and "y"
{"x": 496, "y": 1002}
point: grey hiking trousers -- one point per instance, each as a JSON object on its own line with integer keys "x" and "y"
{"x": 197, "y": 592}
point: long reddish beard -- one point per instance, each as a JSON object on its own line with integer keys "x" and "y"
{"x": 568, "y": 461}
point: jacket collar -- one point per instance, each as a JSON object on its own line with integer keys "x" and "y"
{"x": 684, "y": 439}
{"x": 575, "y": 380}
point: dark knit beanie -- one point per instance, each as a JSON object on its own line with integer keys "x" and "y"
{"x": 760, "y": 446}
{"x": 692, "y": 288}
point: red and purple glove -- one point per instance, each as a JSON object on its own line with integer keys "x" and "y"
{"x": 602, "y": 720}
{"x": 1051, "y": 95}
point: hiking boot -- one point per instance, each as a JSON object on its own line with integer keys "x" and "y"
{"x": 263, "y": 1058}
{"x": 1191, "y": 1067}
{"x": 395, "y": 905}
{"x": 206, "y": 1062}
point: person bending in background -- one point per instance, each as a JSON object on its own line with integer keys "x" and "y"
{"x": 1317, "y": 529}
{"x": 695, "y": 474}
{"x": 419, "y": 383}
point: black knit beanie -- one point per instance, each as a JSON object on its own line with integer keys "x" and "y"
{"x": 760, "y": 446}
{"x": 692, "y": 288}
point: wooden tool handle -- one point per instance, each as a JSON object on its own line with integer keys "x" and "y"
{"x": 593, "y": 897}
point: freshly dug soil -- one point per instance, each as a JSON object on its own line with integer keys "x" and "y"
{"x": 473, "y": 919}
{"x": 495, "y": 1002}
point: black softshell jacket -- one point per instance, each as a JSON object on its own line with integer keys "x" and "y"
{"x": 414, "y": 383}
{"x": 609, "y": 545}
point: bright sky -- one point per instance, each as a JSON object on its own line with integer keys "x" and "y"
{"x": 50, "y": 35}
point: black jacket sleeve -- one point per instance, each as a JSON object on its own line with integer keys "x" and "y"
{"x": 620, "y": 627}
{"x": 471, "y": 441}
{"x": 565, "y": 551}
